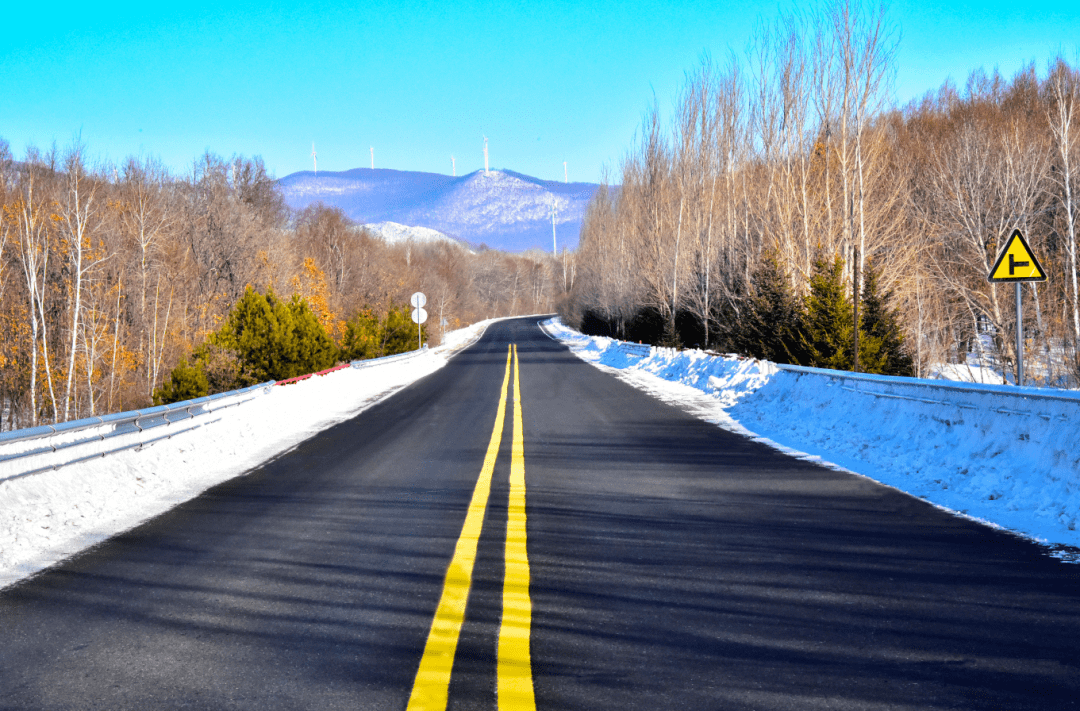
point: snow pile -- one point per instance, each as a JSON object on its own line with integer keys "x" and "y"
{"x": 47, "y": 517}
{"x": 982, "y": 451}
{"x": 728, "y": 379}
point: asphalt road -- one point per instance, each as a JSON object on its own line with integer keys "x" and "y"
{"x": 672, "y": 565}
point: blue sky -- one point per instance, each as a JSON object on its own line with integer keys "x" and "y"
{"x": 547, "y": 82}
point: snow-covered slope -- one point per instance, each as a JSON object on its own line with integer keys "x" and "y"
{"x": 987, "y": 452}
{"x": 501, "y": 209}
{"x": 393, "y": 233}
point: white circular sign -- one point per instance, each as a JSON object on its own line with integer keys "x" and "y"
{"x": 419, "y": 315}
{"x": 418, "y": 300}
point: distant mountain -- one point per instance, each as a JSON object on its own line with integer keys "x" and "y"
{"x": 501, "y": 209}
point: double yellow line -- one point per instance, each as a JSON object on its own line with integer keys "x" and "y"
{"x": 514, "y": 666}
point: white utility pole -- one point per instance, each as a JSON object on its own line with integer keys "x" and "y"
{"x": 372, "y": 157}
{"x": 314, "y": 159}
{"x": 486, "y": 170}
{"x": 453, "y": 165}
{"x": 554, "y": 247}
{"x": 565, "y": 176}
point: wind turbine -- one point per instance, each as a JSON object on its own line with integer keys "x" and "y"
{"x": 453, "y": 164}
{"x": 314, "y": 159}
{"x": 565, "y": 179}
{"x": 486, "y": 171}
{"x": 372, "y": 157}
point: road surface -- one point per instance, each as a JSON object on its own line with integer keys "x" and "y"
{"x": 507, "y": 532}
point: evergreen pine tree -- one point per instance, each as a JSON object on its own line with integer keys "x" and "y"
{"x": 363, "y": 337}
{"x": 255, "y": 331}
{"x": 186, "y": 382}
{"x": 769, "y": 326}
{"x": 274, "y": 340}
{"x": 879, "y": 322}
{"x": 826, "y": 332}
{"x": 312, "y": 348}
{"x": 399, "y": 331}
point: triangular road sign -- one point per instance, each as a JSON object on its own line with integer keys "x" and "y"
{"x": 1017, "y": 262}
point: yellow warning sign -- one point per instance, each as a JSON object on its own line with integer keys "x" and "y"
{"x": 1017, "y": 262}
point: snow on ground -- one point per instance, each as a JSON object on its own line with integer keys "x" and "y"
{"x": 1044, "y": 366}
{"x": 971, "y": 451}
{"x": 1018, "y": 473}
{"x": 47, "y": 517}
{"x": 970, "y": 372}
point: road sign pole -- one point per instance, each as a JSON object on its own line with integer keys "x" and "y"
{"x": 855, "y": 300}
{"x": 1019, "y": 337}
{"x": 1017, "y": 263}
{"x": 419, "y": 315}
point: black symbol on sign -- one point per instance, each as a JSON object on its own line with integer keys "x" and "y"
{"x": 1013, "y": 264}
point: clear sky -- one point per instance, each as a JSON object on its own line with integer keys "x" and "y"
{"x": 547, "y": 82}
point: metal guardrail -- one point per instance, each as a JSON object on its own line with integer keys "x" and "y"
{"x": 360, "y": 364}
{"x": 1027, "y": 402}
{"x": 640, "y": 350}
{"x": 298, "y": 378}
{"x": 37, "y": 449}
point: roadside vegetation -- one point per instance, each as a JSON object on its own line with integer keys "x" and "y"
{"x": 740, "y": 218}
{"x": 122, "y": 285}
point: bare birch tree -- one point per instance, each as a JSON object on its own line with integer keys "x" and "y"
{"x": 78, "y": 213}
{"x": 1064, "y": 87}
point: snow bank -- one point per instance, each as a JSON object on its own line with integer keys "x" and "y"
{"x": 47, "y": 517}
{"x": 998, "y": 454}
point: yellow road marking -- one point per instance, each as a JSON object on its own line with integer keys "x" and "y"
{"x": 515, "y": 684}
{"x": 430, "y": 689}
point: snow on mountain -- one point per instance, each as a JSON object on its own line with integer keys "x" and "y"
{"x": 501, "y": 209}
{"x": 393, "y": 233}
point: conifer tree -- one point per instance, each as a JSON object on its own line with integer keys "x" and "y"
{"x": 826, "y": 332}
{"x": 187, "y": 382}
{"x": 399, "y": 331}
{"x": 274, "y": 340}
{"x": 257, "y": 331}
{"x": 881, "y": 323}
{"x": 828, "y": 318}
{"x": 362, "y": 339}
{"x": 312, "y": 349}
{"x": 769, "y": 328}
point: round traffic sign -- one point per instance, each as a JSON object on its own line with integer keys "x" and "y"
{"x": 418, "y": 300}
{"x": 419, "y": 315}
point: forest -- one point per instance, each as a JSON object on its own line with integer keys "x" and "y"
{"x": 782, "y": 182}
{"x": 122, "y": 285}
{"x": 785, "y": 180}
